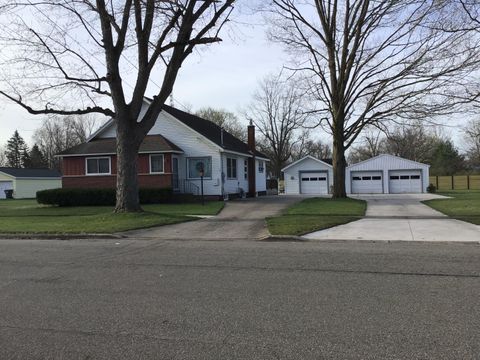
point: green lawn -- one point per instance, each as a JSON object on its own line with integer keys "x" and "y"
{"x": 315, "y": 214}
{"x": 463, "y": 205}
{"x": 26, "y": 216}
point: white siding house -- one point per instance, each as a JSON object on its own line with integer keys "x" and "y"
{"x": 226, "y": 158}
{"x": 308, "y": 176}
{"x": 387, "y": 174}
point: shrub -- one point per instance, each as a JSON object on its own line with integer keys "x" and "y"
{"x": 431, "y": 188}
{"x": 98, "y": 197}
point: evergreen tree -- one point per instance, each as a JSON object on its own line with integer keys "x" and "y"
{"x": 37, "y": 160}
{"x": 16, "y": 149}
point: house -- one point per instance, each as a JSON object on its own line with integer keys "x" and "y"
{"x": 383, "y": 174}
{"x": 172, "y": 154}
{"x": 308, "y": 175}
{"x": 387, "y": 174}
{"x": 26, "y": 182}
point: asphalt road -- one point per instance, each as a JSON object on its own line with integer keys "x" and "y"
{"x": 150, "y": 299}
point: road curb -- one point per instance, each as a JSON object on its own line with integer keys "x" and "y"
{"x": 293, "y": 238}
{"x": 59, "y": 236}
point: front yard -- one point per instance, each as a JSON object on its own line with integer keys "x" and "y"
{"x": 464, "y": 205}
{"x": 316, "y": 214}
{"x": 26, "y": 216}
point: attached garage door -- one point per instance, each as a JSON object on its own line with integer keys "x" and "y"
{"x": 5, "y": 185}
{"x": 405, "y": 181}
{"x": 368, "y": 182}
{"x": 313, "y": 183}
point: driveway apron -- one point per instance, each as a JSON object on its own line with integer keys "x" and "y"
{"x": 240, "y": 219}
{"x": 401, "y": 217}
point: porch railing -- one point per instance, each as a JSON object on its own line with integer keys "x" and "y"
{"x": 185, "y": 186}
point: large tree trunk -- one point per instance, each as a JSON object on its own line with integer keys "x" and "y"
{"x": 339, "y": 165}
{"x": 127, "y": 179}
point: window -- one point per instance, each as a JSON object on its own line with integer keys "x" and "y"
{"x": 195, "y": 165}
{"x": 404, "y": 177}
{"x": 245, "y": 169}
{"x": 261, "y": 165}
{"x": 305, "y": 179}
{"x": 415, "y": 177}
{"x": 98, "y": 166}
{"x": 231, "y": 168}
{"x": 394, "y": 177}
{"x": 366, "y": 178}
{"x": 357, "y": 178}
{"x": 156, "y": 164}
{"x": 376, "y": 178}
{"x": 322, "y": 179}
{"x": 313, "y": 179}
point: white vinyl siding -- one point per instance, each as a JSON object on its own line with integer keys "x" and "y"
{"x": 156, "y": 164}
{"x": 261, "y": 177}
{"x": 97, "y": 166}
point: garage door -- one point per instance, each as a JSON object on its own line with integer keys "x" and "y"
{"x": 368, "y": 182}
{"x": 313, "y": 183}
{"x": 405, "y": 181}
{"x": 5, "y": 185}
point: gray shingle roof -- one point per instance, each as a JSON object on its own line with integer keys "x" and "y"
{"x": 211, "y": 131}
{"x": 30, "y": 173}
{"x": 151, "y": 143}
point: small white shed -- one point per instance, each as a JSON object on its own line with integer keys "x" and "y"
{"x": 26, "y": 182}
{"x": 387, "y": 174}
{"x": 308, "y": 175}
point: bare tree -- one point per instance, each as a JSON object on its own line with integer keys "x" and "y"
{"x": 3, "y": 156}
{"x": 137, "y": 39}
{"x": 373, "y": 144}
{"x": 58, "y": 133}
{"x": 369, "y": 62}
{"x": 224, "y": 119}
{"x": 278, "y": 112}
{"x": 307, "y": 146}
{"x": 472, "y": 140}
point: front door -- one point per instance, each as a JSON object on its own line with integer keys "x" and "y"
{"x": 175, "y": 180}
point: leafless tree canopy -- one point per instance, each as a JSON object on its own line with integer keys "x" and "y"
{"x": 225, "y": 119}
{"x": 73, "y": 57}
{"x": 307, "y": 146}
{"x": 57, "y": 134}
{"x": 278, "y": 112}
{"x": 366, "y": 62}
{"x": 472, "y": 140}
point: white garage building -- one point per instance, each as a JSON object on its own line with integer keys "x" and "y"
{"x": 308, "y": 176}
{"x": 26, "y": 182}
{"x": 387, "y": 174}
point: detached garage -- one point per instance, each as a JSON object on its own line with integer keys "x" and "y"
{"x": 387, "y": 174}
{"x": 308, "y": 176}
{"x": 26, "y": 182}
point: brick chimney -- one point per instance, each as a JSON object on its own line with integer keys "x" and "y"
{"x": 252, "y": 188}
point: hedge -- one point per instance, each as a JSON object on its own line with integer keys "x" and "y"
{"x": 97, "y": 197}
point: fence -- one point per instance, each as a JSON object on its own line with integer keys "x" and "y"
{"x": 456, "y": 182}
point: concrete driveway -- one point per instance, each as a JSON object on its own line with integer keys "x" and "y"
{"x": 240, "y": 219}
{"x": 401, "y": 217}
